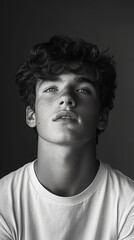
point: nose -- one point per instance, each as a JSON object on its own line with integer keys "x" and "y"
{"x": 66, "y": 100}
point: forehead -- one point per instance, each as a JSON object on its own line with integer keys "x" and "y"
{"x": 86, "y": 74}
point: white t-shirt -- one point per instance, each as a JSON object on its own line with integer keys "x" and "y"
{"x": 103, "y": 211}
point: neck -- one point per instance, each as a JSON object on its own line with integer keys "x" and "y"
{"x": 66, "y": 170}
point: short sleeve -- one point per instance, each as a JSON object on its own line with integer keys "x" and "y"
{"x": 5, "y": 233}
{"x": 127, "y": 231}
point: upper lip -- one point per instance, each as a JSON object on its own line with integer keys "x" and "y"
{"x": 72, "y": 115}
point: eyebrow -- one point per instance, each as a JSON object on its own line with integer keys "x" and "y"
{"x": 59, "y": 79}
{"x": 49, "y": 79}
{"x": 85, "y": 79}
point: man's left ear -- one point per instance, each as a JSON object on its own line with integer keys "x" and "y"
{"x": 103, "y": 119}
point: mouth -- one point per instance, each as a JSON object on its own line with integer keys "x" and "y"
{"x": 66, "y": 116}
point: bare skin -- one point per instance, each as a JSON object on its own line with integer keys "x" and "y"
{"x": 67, "y": 146}
{"x": 66, "y": 171}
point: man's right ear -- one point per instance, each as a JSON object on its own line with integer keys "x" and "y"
{"x": 30, "y": 117}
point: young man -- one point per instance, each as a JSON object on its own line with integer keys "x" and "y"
{"x": 67, "y": 194}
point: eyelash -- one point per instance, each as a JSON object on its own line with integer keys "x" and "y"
{"x": 81, "y": 90}
{"x": 51, "y": 88}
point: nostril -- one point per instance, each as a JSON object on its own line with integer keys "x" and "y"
{"x": 70, "y": 103}
{"x": 62, "y": 102}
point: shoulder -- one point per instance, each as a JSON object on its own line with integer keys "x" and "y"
{"x": 120, "y": 185}
{"x": 118, "y": 178}
{"x": 14, "y": 189}
{"x": 14, "y": 174}
{"x": 14, "y": 180}
{"x": 120, "y": 190}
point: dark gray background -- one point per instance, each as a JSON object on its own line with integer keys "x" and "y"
{"x": 106, "y": 23}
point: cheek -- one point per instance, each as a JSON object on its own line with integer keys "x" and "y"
{"x": 90, "y": 108}
{"x": 90, "y": 116}
{"x": 44, "y": 109}
{"x": 45, "y": 102}
{"x": 41, "y": 110}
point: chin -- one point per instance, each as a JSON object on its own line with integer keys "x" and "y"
{"x": 63, "y": 140}
{"x": 66, "y": 137}
{"x": 69, "y": 141}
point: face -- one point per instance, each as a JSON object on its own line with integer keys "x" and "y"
{"x": 67, "y": 109}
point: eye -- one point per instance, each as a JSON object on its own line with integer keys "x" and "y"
{"x": 51, "y": 89}
{"x": 83, "y": 91}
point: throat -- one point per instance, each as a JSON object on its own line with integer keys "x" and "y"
{"x": 67, "y": 182}
{"x": 66, "y": 171}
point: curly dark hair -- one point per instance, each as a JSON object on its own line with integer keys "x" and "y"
{"x": 55, "y": 57}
